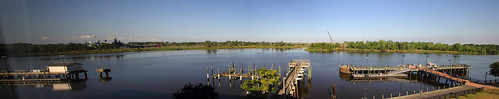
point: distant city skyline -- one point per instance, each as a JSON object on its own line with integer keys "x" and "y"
{"x": 78, "y": 21}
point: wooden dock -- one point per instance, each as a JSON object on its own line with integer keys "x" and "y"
{"x": 290, "y": 82}
{"x": 234, "y": 73}
{"x": 394, "y": 71}
{"x": 54, "y": 72}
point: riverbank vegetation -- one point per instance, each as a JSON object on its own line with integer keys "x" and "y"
{"x": 266, "y": 82}
{"x": 410, "y": 47}
{"x": 26, "y": 49}
{"x": 480, "y": 95}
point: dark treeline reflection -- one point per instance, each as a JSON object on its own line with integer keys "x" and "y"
{"x": 198, "y": 91}
{"x": 78, "y": 57}
{"x": 214, "y": 51}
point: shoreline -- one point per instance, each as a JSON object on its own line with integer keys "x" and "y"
{"x": 393, "y": 51}
{"x": 165, "y": 48}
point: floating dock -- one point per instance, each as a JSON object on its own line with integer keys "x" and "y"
{"x": 395, "y": 71}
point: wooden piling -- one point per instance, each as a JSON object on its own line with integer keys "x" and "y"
{"x": 334, "y": 91}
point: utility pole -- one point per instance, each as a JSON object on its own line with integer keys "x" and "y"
{"x": 63, "y": 63}
{"x": 427, "y": 59}
{"x": 6, "y": 65}
{"x": 454, "y": 59}
{"x": 403, "y": 60}
{"x": 367, "y": 58}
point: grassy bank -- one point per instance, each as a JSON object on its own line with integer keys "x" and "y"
{"x": 399, "y": 51}
{"x": 480, "y": 95}
{"x": 165, "y": 48}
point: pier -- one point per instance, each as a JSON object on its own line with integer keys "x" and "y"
{"x": 295, "y": 73}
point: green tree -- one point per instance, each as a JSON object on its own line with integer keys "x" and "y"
{"x": 494, "y": 69}
{"x": 264, "y": 84}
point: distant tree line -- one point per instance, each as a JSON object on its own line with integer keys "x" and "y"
{"x": 215, "y": 44}
{"x": 23, "y": 49}
{"x": 384, "y": 46}
{"x": 26, "y": 49}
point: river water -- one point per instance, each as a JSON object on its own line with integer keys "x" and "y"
{"x": 159, "y": 74}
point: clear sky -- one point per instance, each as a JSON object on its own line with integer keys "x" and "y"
{"x": 64, "y": 21}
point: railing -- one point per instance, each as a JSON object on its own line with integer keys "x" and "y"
{"x": 455, "y": 94}
{"x": 490, "y": 81}
{"x": 407, "y": 93}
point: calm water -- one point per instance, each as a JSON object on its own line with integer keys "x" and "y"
{"x": 159, "y": 74}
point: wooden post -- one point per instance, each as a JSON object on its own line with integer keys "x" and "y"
{"x": 280, "y": 71}
{"x": 283, "y": 84}
{"x": 207, "y": 73}
{"x": 249, "y": 69}
{"x": 272, "y": 67}
{"x": 85, "y": 75}
{"x": 334, "y": 90}
{"x": 211, "y": 70}
{"x": 309, "y": 73}
{"x": 218, "y": 73}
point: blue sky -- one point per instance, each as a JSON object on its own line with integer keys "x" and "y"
{"x": 64, "y": 21}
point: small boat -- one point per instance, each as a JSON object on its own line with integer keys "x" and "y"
{"x": 345, "y": 69}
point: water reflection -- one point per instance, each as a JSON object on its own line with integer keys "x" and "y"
{"x": 211, "y": 51}
{"x": 133, "y": 72}
{"x": 85, "y": 57}
{"x": 65, "y": 85}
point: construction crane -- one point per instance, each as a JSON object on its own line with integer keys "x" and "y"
{"x": 330, "y": 37}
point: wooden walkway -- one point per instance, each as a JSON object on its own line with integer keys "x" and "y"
{"x": 469, "y": 86}
{"x": 436, "y": 93}
{"x": 467, "y": 82}
{"x": 290, "y": 81}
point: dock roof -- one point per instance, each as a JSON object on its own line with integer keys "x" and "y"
{"x": 63, "y": 63}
